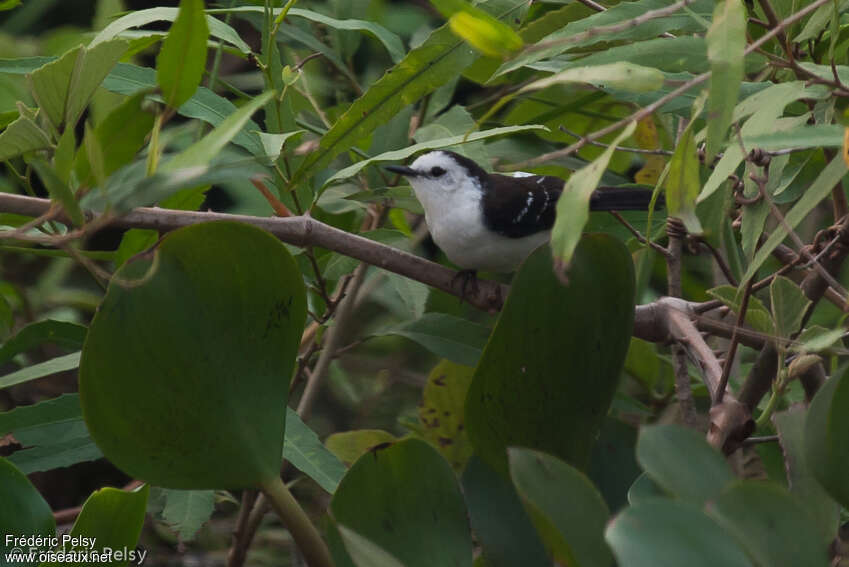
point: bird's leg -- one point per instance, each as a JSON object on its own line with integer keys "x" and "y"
{"x": 467, "y": 278}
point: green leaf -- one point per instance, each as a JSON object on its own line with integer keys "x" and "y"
{"x": 620, "y": 75}
{"x": 303, "y": 449}
{"x": 112, "y": 520}
{"x": 21, "y": 136}
{"x": 404, "y": 153}
{"x": 140, "y": 18}
{"x": 119, "y": 137}
{"x": 41, "y": 369}
{"x": 366, "y": 553}
{"x": 769, "y": 524}
{"x": 420, "y": 528}
{"x": 670, "y": 533}
{"x": 441, "y": 411}
{"x": 24, "y": 512}
{"x": 522, "y": 393}
{"x": 682, "y": 183}
{"x": 61, "y": 333}
{"x": 757, "y": 315}
{"x": 726, "y": 41}
{"x": 827, "y": 437}
{"x": 130, "y": 79}
{"x": 349, "y": 446}
{"x": 204, "y": 150}
{"x": 825, "y": 512}
{"x": 62, "y": 88}
{"x": 765, "y": 106}
{"x": 816, "y": 192}
{"x": 59, "y": 191}
{"x": 440, "y": 58}
{"x": 390, "y": 41}
{"x": 180, "y": 63}
{"x": 186, "y": 511}
{"x": 273, "y": 143}
{"x": 816, "y": 338}
{"x": 818, "y": 20}
{"x": 644, "y": 488}
{"x": 53, "y": 433}
{"x": 567, "y": 510}
{"x": 500, "y": 522}
{"x": 807, "y": 136}
{"x": 134, "y": 241}
{"x": 574, "y": 35}
{"x": 163, "y": 406}
{"x": 483, "y": 32}
{"x": 788, "y": 305}
{"x": 681, "y": 461}
{"x": 573, "y": 207}
{"x": 458, "y": 340}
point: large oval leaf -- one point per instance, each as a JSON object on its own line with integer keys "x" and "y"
{"x": 404, "y": 499}
{"x": 827, "y": 437}
{"x": 567, "y": 510}
{"x": 671, "y": 533}
{"x": 550, "y": 369}
{"x": 185, "y": 371}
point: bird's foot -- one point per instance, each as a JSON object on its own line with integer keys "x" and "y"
{"x": 468, "y": 281}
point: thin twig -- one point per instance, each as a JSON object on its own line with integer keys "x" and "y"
{"x": 610, "y": 29}
{"x": 732, "y": 347}
{"x": 645, "y": 111}
{"x": 642, "y": 239}
{"x": 621, "y": 148}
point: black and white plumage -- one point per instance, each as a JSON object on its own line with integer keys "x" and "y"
{"x": 491, "y": 222}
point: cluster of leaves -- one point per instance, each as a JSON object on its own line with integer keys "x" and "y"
{"x": 525, "y": 438}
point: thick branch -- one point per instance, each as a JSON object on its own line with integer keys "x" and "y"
{"x": 300, "y": 231}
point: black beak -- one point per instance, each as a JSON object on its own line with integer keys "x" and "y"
{"x": 402, "y": 170}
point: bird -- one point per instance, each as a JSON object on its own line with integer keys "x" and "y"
{"x": 491, "y": 222}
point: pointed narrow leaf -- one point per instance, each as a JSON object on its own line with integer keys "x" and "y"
{"x": 788, "y": 305}
{"x": 21, "y": 136}
{"x": 59, "y": 192}
{"x": 573, "y": 207}
{"x": 621, "y": 75}
{"x": 41, "y": 369}
{"x": 205, "y": 149}
{"x": 163, "y": 406}
{"x": 683, "y": 184}
{"x": 139, "y": 18}
{"x": 522, "y": 393}
{"x": 483, "y": 32}
{"x": 304, "y": 450}
{"x": 816, "y": 192}
{"x": 404, "y": 153}
{"x": 180, "y": 64}
{"x": 439, "y": 59}
{"x": 726, "y": 41}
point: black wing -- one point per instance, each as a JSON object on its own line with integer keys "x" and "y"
{"x": 520, "y": 206}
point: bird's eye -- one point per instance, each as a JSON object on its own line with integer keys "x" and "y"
{"x": 437, "y": 171}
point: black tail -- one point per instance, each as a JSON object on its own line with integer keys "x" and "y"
{"x": 623, "y": 198}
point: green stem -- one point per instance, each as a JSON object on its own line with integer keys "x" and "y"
{"x": 153, "y": 146}
{"x": 769, "y": 409}
{"x": 295, "y": 519}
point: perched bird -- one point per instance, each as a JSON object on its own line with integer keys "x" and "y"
{"x": 491, "y": 222}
